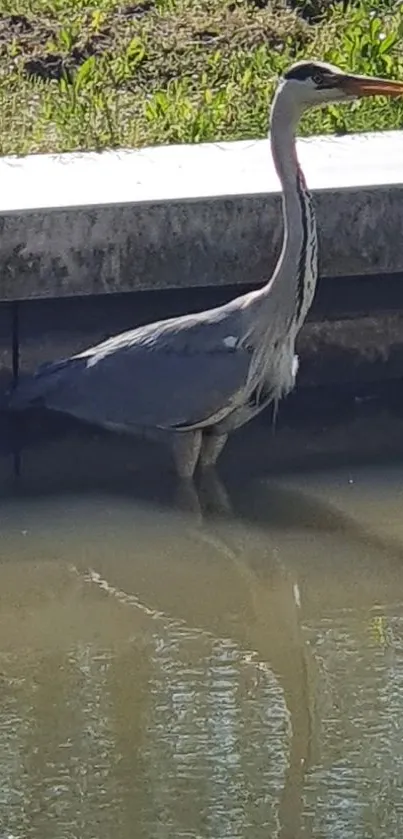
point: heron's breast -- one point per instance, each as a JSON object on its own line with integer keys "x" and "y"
{"x": 307, "y": 271}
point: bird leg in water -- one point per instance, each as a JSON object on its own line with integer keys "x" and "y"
{"x": 211, "y": 448}
{"x": 187, "y": 500}
{"x": 213, "y": 493}
{"x": 186, "y": 450}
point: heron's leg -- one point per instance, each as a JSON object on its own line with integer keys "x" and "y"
{"x": 187, "y": 500}
{"x": 211, "y": 448}
{"x": 186, "y": 450}
{"x": 213, "y": 493}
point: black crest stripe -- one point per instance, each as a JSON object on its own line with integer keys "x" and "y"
{"x": 301, "y": 72}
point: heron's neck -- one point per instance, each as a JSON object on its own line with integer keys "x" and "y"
{"x": 284, "y": 121}
{"x": 283, "y": 125}
{"x": 285, "y": 294}
{"x": 299, "y": 238}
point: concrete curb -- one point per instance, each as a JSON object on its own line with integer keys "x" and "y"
{"x": 191, "y": 216}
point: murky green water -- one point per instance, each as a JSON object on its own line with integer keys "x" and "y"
{"x": 235, "y": 674}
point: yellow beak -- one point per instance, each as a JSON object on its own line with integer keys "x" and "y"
{"x": 367, "y": 86}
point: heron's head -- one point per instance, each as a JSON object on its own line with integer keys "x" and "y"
{"x": 313, "y": 83}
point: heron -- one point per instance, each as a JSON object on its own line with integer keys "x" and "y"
{"x": 199, "y": 377}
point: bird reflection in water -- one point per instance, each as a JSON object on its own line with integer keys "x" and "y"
{"x": 241, "y": 564}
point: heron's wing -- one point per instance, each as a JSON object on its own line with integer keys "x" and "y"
{"x": 159, "y": 376}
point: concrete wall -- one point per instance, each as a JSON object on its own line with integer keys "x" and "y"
{"x": 191, "y": 216}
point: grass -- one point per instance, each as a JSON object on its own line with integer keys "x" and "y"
{"x": 90, "y": 74}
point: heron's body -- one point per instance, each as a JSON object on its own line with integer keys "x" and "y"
{"x": 199, "y": 377}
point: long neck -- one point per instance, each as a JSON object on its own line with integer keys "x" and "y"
{"x": 277, "y": 310}
{"x": 289, "y": 291}
{"x": 284, "y": 121}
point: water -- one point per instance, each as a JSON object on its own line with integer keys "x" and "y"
{"x": 229, "y": 671}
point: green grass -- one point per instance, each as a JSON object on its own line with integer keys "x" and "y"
{"x": 90, "y": 74}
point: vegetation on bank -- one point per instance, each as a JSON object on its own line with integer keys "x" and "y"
{"x": 90, "y": 74}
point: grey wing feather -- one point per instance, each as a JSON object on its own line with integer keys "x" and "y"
{"x": 172, "y": 374}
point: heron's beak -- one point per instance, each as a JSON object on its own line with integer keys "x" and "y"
{"x": 369, "y": 86}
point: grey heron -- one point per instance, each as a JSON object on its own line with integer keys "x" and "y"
{"x": 200, "y": 376}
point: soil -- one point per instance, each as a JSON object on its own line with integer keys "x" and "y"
{"x": 170, "y": 39}
{"x": 35, "y": 40}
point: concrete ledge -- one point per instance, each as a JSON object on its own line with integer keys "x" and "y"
{"x": 189, "y": 216}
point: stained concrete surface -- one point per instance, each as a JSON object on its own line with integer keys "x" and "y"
{"x": 191, "y": 216}
{"x": 210, "y": 242}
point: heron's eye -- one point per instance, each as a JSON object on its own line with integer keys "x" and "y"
{"x": 318, "y": 79}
